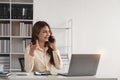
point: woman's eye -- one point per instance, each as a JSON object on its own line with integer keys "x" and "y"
{"x": 44, "y": 32}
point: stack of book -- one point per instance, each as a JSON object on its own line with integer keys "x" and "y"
{"x": 21, "y": 11}
{"x": 4, "y": 11}
{"x": 4, "y": 74}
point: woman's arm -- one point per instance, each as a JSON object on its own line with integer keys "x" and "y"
{"x": 56, "y": 54}
{"x": 29, "y": 60}
{"x": 57, "y": 59}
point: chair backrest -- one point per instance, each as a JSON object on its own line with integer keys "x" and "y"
{"x": 21, "y": 61}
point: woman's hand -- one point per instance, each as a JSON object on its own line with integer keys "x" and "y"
{"x": 33, "y": 47}
{"x": 53, "y": 44}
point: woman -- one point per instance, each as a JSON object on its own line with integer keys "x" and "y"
{"x": 42, "y": 53}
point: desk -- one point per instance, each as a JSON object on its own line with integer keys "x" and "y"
{"x": 31, "y": 76}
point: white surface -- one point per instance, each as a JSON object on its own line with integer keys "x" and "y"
{"x": 15, "y": 76}
{"x": 96, "y": 27}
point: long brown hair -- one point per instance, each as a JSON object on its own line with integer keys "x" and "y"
{"x": 35, "y": 32}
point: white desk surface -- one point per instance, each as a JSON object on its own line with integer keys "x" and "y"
{"x": 31, "y": 76}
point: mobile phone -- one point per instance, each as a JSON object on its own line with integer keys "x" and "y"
{"x": 42, "y": 73}
{"x": 51, "y": 39}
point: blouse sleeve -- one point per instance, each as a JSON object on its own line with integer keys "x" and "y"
{"x": 29, "y": 60}
{"x": 57, "y": 59}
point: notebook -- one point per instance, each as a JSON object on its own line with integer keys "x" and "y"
{"x": 83, "y": 65}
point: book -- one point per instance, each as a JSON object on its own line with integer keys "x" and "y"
{"x": 4, "y": 74}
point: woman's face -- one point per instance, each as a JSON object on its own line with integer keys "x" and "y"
{"x": 44, "y": 34}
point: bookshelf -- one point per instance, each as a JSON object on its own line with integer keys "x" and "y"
{"x": 15, "y": 33}
{"x": 16, "y": 20}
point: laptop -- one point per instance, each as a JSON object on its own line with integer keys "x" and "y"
{"x": 83, "y": 65}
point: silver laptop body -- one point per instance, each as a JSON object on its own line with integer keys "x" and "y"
{"x": 83, "y": 65}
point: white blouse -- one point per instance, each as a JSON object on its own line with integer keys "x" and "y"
{"x": 41, "y": 61}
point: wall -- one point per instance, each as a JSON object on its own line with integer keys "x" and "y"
{"x": 96, "y": 27}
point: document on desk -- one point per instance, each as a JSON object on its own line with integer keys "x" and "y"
{"x": 21, "y": 74}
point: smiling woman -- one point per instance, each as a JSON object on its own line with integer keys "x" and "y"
{"x": 42, "y": 54}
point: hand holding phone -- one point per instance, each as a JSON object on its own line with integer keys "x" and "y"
{"x": 51, "y": 39}
{"x": 52, "y": 42}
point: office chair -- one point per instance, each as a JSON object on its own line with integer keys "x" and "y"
{"x": 21, "y": 61}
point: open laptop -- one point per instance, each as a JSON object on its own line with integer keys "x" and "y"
{"x": 83, "y": 65}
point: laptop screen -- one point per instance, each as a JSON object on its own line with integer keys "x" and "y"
{"x": 83, "y": 64}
